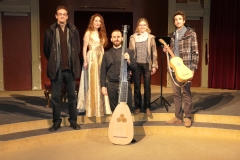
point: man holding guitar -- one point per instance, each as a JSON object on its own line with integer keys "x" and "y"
{"x": 184, "y": 45}
{"x": 115, "y": 75}
{"x": 110, "y": 70}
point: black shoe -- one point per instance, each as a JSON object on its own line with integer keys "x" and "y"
{"x": 133, "y": 141}
{"x": 55, "y": 126}
{"x": 74, "y": 125}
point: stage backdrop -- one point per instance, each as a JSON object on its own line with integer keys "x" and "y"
{"x": 224, "y": 48}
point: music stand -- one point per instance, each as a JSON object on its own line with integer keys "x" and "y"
{"x": 163, "y": 101}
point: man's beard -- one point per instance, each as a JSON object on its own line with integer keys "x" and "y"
{"x": 117, "y": 44}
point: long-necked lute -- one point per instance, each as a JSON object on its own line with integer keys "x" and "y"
{"x": 120, "y": 129}
{"x": 182, "y": 72}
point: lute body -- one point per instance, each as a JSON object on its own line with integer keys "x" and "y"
{"x": 120, "y": 130}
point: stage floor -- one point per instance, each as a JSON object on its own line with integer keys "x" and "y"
{"x": 213, "y": 135}
{"x": 22, "y": 106}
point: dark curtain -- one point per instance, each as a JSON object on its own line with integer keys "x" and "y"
{"x": 224, "y": 45}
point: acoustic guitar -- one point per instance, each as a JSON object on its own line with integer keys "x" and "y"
{"x": 120, "y": 130}
{"x": 182, "y": 72}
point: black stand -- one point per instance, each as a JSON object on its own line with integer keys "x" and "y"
{"x": 163, "y": 101}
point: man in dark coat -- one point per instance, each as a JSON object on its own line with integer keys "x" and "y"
{"x": 61, "y": 48}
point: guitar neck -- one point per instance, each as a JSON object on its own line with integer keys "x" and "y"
{"x": 165, "y": 45}
{"x": 123, "y": 86}
{"x": 171, "y": 53}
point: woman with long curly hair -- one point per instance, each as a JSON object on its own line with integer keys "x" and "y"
{"x": 90, "y": 98}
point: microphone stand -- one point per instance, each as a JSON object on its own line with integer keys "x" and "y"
{"x": 163, "y": 101}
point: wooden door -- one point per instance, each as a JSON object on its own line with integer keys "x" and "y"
{"x": 17, "y": 68}
{"x": 198, "y": 25}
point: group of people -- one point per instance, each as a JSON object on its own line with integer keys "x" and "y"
{"x": 99, "y": 82}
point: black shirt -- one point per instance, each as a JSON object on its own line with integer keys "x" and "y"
{"x": 111, "y": 63}
{"x": 63, "y": 44}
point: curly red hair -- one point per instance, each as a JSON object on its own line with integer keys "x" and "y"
{"x": 101, "y": 30}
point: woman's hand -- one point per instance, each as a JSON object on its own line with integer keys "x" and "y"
{"x": 85, "y": 65}
{"x": 153, "y": 71}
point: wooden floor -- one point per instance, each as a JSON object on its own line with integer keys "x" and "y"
{"x": 24, "y": 123}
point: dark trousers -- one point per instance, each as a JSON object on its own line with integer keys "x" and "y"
{"x": 142, "y": 69}
{"x": 113, "y": 92}
{"x": 178, "y": 94}
{"x": 69, "y": 81}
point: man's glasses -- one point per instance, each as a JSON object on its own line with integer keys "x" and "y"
{"x": 62, "y": 14}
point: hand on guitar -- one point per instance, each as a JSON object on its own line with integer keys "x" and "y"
{"x": 127, "y": 57}
{"x": 104, "y": 91}
{"x": 166, "y": 48}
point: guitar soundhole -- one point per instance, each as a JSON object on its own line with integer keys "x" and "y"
{"x": 178, "y": 64}
{"x": 121, "y": 118}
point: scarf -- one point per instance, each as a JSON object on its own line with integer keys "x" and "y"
{"x": 141, "y": 37}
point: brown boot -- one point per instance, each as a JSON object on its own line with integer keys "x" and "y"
{"x": 148, "y": 112}
{"x": 137, "y": 111}
{"x": 175, "y": 120}
{"x": 187, "y": 122}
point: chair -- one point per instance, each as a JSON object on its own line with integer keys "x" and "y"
{"x": 48, "y": 91}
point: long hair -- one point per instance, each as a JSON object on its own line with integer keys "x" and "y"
{"x": 147, "y": 25}
{"x": 101, "y": 30}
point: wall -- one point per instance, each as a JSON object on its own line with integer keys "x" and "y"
{"x": 154, "y": 11}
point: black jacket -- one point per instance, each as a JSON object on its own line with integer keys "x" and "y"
{"x": 50, "y": 51}
{"x": 111, "y": 73}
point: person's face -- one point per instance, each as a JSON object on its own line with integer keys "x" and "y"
{"x": 178, "y": 21}
{"x": 116, "y": 39}
{"x": 97, "y": 22}
{"x": 142, "y": 26}
{"x": 61, "y": 16}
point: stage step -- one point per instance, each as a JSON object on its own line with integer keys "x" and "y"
{"x": 42, "y": 137}
{"x": 33, "y": 133}
{"x": 43, "y": 124}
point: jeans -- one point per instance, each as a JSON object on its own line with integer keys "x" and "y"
{"x": 177, "y": 97}
{"x": 142, "y": 69}
{"x": 69, "y": 81}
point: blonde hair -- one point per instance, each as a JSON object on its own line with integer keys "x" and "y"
{"x": 147, "y": 25}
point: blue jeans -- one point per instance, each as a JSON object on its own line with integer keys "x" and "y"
{"x": 69, "y": 81}
{"x": 142, "y": 69}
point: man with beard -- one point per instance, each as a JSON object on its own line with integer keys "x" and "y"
{"x": 184, "y": 45}
{"x": 110, "y": 70}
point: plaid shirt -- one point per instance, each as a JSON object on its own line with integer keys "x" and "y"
{"x": 188, "y": 48}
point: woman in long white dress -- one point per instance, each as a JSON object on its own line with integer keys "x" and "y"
{"x": 90, "y": 98}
